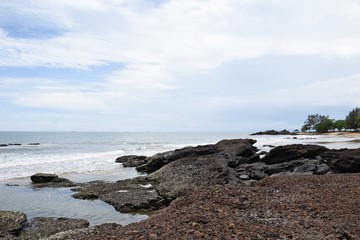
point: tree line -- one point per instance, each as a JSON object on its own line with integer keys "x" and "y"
{"x": 322, "y": 124}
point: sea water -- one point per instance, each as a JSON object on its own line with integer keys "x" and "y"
{"x": 86, "y": 156}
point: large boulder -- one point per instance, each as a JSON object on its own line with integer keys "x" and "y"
{"x": 343, "y": 161}
{"x": 287, "y": 153}
{"x": 50, "y": 180}
{"x": 159, "y": 160}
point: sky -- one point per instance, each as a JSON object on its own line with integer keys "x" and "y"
{"x": 176, "y": 65}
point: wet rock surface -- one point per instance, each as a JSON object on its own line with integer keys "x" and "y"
{"x": 42, "y": 227}
{"x": 15, "y": 225}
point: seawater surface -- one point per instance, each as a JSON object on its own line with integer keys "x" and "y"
{"x": 88, "y": 156}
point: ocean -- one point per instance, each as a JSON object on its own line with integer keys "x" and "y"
{"x": 89, "y": 156}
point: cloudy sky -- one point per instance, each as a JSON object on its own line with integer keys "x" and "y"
{"x": 176, "y": 65}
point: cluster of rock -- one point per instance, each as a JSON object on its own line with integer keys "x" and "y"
{"x": 17, "y": 144}
{"x": 207, "y": 190}
{"x": 15, "y": 225}
{"x": 176, "y": 173}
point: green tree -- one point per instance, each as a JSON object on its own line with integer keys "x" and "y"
{"x": 351, "y": 119}
{"x": 317, "y": 122}
{"x": 339, "y": 124}
{"x": 324, "y": 125}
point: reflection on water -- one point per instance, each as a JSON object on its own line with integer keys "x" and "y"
{"x": 45, "y": 202}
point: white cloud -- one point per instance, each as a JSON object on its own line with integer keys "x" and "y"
{"x": 60, "y": 100}
{"x": 160, "y": 46}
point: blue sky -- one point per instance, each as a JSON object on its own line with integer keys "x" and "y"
{"x": 204, "y": 65}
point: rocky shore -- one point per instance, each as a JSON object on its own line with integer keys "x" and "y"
{"x": 227, "y": 191}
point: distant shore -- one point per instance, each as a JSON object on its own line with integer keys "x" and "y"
{"x": 343, "y": 134}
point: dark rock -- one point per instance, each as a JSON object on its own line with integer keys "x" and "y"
{"x": 136, "y": 200}
{"x": 42, "y": 227}
{"x": 34, "y": 144}
{"x": 287, "y": 153}
{"x": 4, "y": 145}
{"x": 131, "y": 195}
{"x": 273, "y": 132}
{"x": 11, "y": 223}
{"x": 159, "y": 160}
{"x": 269, "y": 145}
{"x": 263, "y": 152}
{"x": 44, "y": 177}
{"x": 343, "y": 161}
{"x": 179, "y": 177}
{"x": 132, "y": 160}
{"x": 50, "y": 180}
{"x": 14, "y": 144}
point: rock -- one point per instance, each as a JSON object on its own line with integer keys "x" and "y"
{"x": 161, "y": 159}
{"x": 50, "y": 180}
{"x": 273, "y": 132}
{"x": 131, "y": 195}
{"x": 132, "y": 160}
{"x": 287, "y": 153}
{"x": 258, "y": 175}
{"x": 14, "y": 144}
{"x": 4, "y": 145}
{"x": 44, "y": 177}
{"x": 136, "y": 200}
{"x": 343, "y": 161}
{"x": 11, "y": 223}
{"x": 41, "y": 227}
{"x": 269, "y": 146}
{"x": 34, "y": 144}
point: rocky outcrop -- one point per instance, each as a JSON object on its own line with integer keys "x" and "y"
{"x": 14, "y": 225}
{"x": 50, "y": 180}
{"x": 131, "y": 195}
{"x": 343, "y": 161}
{"x": 159, "y": 160}
{"x": 274, "y": 132}
{"x": 288, "y": 153}
{"x": 132, "y": 160}
{"x": 176, "y": 173}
